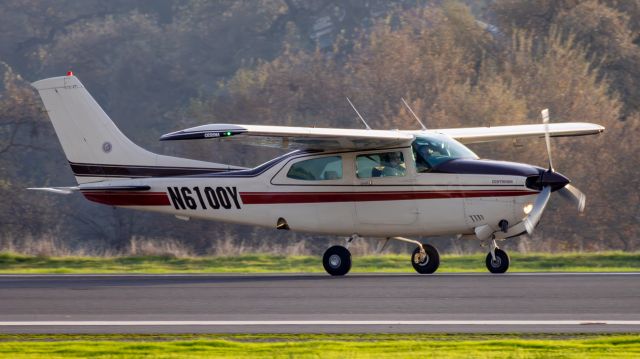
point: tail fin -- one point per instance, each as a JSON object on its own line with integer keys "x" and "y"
{"x": 95, "y": 147}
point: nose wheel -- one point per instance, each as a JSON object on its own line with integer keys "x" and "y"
{"x": 337, "y": 260}
{"x": 498, "y": 262}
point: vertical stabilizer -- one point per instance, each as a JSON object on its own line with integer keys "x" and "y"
{"x": 95, "y": 147}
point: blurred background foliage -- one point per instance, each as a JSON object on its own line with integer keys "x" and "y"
{"x": 160, "y": 65}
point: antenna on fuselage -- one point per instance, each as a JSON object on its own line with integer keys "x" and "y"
{"x": 362, "y": 119}
{"x": 424, "y": 128}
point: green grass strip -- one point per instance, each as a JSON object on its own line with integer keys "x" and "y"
{"x": 390, "y": 263}
{"x": 324, "y": 346}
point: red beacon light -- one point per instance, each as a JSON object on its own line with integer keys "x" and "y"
{"x": 69, "y": 73}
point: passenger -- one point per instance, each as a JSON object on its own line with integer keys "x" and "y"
{"x": 394, "y": 165}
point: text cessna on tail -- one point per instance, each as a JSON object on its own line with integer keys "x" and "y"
{"x": 345, "y": 182}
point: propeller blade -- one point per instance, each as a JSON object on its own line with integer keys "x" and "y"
{"x": 573, "y": 194}
{"x": 538, "y": 207}
{"x": 547, "y": 138}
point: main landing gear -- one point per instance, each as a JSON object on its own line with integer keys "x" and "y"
{"x": 497, "y": 259}
{"x": 425, "y": 258}
{"x": 337, "y": 260}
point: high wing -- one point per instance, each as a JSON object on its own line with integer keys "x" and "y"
{"x": 487, "y": 134}
{"x": 295, "y": 137}
{"x": 340, "y": 138}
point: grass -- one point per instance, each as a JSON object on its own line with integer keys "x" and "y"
{"x": 325, "y": 346}
{"x": 390, "y": 263}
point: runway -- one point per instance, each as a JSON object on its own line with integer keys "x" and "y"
{"x": 317, "y": 303}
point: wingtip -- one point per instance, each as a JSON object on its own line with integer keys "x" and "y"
{"x": 175, "y": 135}
{"x": 57, "y": 82}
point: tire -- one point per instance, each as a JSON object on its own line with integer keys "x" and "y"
{"x": 500, "y": 265}
{"x": 430, "y": 263}
{"x": 337, "y": 260}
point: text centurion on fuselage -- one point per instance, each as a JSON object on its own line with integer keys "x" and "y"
{"x": 352, "y": 183}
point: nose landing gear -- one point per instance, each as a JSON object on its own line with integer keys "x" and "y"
{"x": 497, "y": 260}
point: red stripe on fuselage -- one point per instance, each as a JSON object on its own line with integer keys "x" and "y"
{"x": 128, "y": 198}
{"x": 321, "y": 197}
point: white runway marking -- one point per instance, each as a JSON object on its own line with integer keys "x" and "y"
{"x": 315, "y": 322}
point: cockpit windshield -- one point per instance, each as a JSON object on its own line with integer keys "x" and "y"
{"x": 434, "y": 149}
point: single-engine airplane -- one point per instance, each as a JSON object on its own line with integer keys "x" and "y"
{"x": 388, "y": 184}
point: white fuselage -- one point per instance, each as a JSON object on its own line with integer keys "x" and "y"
{"x": 375, "y": 183}
{"x": 415, "y": 204}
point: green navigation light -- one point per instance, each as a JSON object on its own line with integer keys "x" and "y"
{"x": 228, "y": 133}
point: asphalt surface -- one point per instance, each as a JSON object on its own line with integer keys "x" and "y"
{"x": 320, "y": 303}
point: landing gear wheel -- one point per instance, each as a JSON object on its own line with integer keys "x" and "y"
{"x": 429, "y": 263}
{"x": 500, "y": 264}
{"x": 337, "y": 260}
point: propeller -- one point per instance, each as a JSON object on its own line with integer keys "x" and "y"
{"x": 547, "y": 137}
{"x": 538, "y": 207}
{"x": 568, "y": 192}
{"x": 571, "y": 193}
{"x": 550, "y": 180}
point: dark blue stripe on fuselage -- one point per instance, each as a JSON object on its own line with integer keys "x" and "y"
{"x": 487, "y": 167}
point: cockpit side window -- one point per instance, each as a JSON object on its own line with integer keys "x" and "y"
{"x": 317, "y": 169}
{"x": 387, "y": 164}
{"x": 430, "y": 151}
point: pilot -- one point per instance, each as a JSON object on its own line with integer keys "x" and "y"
{"x": 423, "y": 152}
{"x": 426, "y": 153}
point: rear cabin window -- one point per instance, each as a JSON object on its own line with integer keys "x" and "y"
{"x": 317, "y": 169}
{"x": 388, "y": 164}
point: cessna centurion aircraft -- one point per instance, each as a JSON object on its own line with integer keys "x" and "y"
{"x": 374, "y": 183}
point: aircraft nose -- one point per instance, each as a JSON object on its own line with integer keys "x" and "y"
{"x": 554, "y": 179}
{"x": 547, "y": 178}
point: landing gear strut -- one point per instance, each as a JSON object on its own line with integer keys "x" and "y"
{"x": 497, "y": 260}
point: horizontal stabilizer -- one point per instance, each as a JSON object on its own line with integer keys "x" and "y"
{"x": 57, "y": 190}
